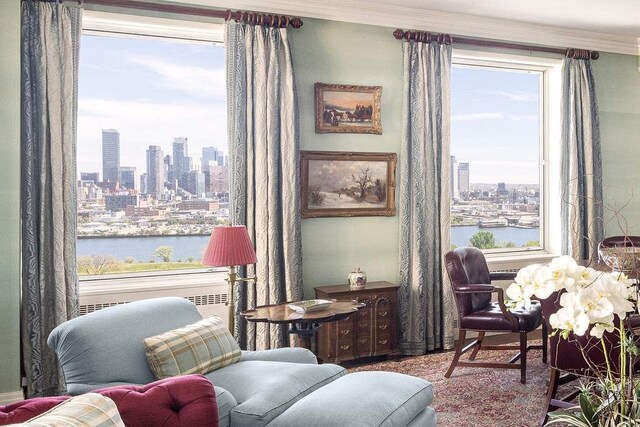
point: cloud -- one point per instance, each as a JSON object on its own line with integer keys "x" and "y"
{"x": 143, "y": 123}
{"x": 190, "y": 79}
{"x": 517, "y": 95}
{"x": 470, "y": 117}
{"x": 524, "y": 117}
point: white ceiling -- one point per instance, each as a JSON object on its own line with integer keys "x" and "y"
{"x": 619, "y": 17}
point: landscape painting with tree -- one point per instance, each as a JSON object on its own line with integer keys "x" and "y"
{"x": 348, "y": 184}
{"x": 348, "y": 109}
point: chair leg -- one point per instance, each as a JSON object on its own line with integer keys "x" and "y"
{"x": 459, "y": 346}
{"x": 523, "y": 357}
{"x": 545, "y": 342}
{"x": 551, "y": 394}
{"x": 477, "y": 347}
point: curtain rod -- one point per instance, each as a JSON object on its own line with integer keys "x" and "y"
{"x": 426, "y": 37}
{"x": 252, "y": 18}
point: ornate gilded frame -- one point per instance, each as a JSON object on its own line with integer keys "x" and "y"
{"x": 344, "y": 127}
{"x": 389, "y": 208}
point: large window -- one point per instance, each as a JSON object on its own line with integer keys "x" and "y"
{"x": 152, "y": 152}
{"x": 497, "y": 155}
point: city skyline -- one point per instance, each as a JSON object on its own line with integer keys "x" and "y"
{"x": 153, "y": 92}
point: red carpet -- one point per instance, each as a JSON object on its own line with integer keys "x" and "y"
{"x": 478, "y": 397}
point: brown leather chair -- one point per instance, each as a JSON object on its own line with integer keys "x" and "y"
{"x": 471, "y": 282}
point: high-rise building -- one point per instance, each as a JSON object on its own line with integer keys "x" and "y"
{"x": 168, "y": 168}
{"x": 194, "y": 183}
{"x": 143, "y": 183}
{"x": 90, "y": 176}
{"x": 216, "y": 179}
{"x": 455, "y": 192}
{"x": 155, "y": 171}
{"x": 182, "y": 163}
{"x": 128, "y": 176}
{"x": 110, "y": 154}
{"x": 209, "y": 154}
{"x": 463, "y": 180}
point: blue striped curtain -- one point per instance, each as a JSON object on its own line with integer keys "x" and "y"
{"x": 427, "y": 311}
{"x": 264, "y": 170}
{"x": 581, "y": 180}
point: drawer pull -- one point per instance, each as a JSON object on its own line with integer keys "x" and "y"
{"x": 346, "y": 347}
{"x": 383, "y": 313}
{"x": 383, "y": 327}
{"x": 383, "y": 342}
{"x": 345, "y": 331}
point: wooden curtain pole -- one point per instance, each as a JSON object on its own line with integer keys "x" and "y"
{"x": 252, "y": 18}
{"x": 427, "y": 37}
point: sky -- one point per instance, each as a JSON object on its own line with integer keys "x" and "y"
{"x": 150, "y": 91}
{"x": 495, "y": 124}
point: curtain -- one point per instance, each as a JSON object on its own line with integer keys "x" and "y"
{"x": 581, "y": 180}
{"x": 264, "y": 170}
{"x": 425, "y": 300}
{"x": 50, "y": 44}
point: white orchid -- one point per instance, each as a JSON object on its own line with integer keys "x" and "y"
{"x": 533, "y": 280}
{"x": 600, "y": 326}
{"x": 570, "y": 320}
{"x": 563, "y": 272}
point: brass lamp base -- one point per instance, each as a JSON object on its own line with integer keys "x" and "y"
{"x": 232, "y": 278}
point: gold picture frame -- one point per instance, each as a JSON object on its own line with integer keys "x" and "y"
{"x": 347, "y": 108}
{"x": 346, "y": 184}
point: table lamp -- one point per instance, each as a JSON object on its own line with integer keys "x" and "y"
{"x": 230, "y": 246}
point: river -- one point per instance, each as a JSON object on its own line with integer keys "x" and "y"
{"x": 141, "y": 248}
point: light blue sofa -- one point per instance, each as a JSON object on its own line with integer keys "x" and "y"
{"x": 280, "y": 387}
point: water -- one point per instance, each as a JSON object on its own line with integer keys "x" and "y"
{"x": 141, "y": 248}
{"x": 519, "y": 236}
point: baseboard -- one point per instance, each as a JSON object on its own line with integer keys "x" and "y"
{"x": 10, "y": 397}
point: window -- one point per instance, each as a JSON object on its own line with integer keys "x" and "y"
{"x": 152, "y": 154}
{"x": 498, "y": 150}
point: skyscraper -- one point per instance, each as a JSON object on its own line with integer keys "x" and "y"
{"x": 182, "y": 163}
{"x": 455, "y": 192}
{"x": 90, "y": 176}
{"x": 155, "y": 171}
{"x": 463, "y": 180}
{"x": 209, "y": 154}
{"x": 110, "y": 154}
{"x": 128, "y": 176}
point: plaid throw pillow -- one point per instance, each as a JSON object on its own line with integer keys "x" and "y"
{"x": 86, "y": 410}
{"x": 199, "y": 348}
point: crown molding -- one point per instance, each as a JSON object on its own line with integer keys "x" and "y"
{"x": 392, "y": 16}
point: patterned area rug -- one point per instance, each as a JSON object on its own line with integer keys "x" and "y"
{"x": 478, "y": 397}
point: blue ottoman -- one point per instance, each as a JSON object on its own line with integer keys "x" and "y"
{"x": 364, "y": 399}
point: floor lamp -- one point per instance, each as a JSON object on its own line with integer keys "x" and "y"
{"x": 230, "y": 246}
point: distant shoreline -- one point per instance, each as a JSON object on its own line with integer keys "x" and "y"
{"x": 138, "y": 236}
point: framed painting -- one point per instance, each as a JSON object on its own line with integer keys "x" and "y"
{"x": 348, "y": 109}
{"x": 348, "y": 184}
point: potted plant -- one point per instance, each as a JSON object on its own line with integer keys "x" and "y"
{"x": 595, "y": 303}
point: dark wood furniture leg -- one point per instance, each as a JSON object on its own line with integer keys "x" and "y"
{"x": 523, "y": 357}
{"x": 474, "y": 353}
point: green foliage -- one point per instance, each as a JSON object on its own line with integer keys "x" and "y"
{"x": 164, "y": 253}
{"x": 532, "y": 244}
{"x": 97, "y": 264}
{"x": 483, "y": 240}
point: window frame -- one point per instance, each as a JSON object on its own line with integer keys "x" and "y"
{"x": 133, "y": 26}
{"x": 549, "y": 157}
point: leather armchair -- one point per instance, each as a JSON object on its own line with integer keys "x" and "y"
{"x": 471, "y": 282}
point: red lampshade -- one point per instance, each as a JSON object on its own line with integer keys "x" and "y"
{"x": 229, "y": 246}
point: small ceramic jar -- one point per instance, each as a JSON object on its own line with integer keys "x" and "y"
{"x": 357, "y": 279}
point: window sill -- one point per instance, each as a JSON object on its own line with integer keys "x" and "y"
{"x": 516, "y": 260}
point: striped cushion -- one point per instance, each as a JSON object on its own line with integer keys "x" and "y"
{"x": 86, "y": 410}
{"x": 199, "y": 348}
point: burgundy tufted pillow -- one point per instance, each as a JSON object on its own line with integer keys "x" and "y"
{"x": 187, "y": 401}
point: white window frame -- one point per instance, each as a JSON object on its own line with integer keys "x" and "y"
{"x": 109, "y": 24}
{"x": 550, "y": 196}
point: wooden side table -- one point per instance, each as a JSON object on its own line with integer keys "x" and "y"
{"x": 371, "y": 332}
{"x": 303, "y": 324}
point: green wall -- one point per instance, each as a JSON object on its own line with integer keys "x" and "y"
{"x": 618, "y": 88}
{"x": 333, "y": 52}
{"x": 9, "y": 196}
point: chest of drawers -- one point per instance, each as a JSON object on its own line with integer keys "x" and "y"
{"x": 369, "y": 332}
